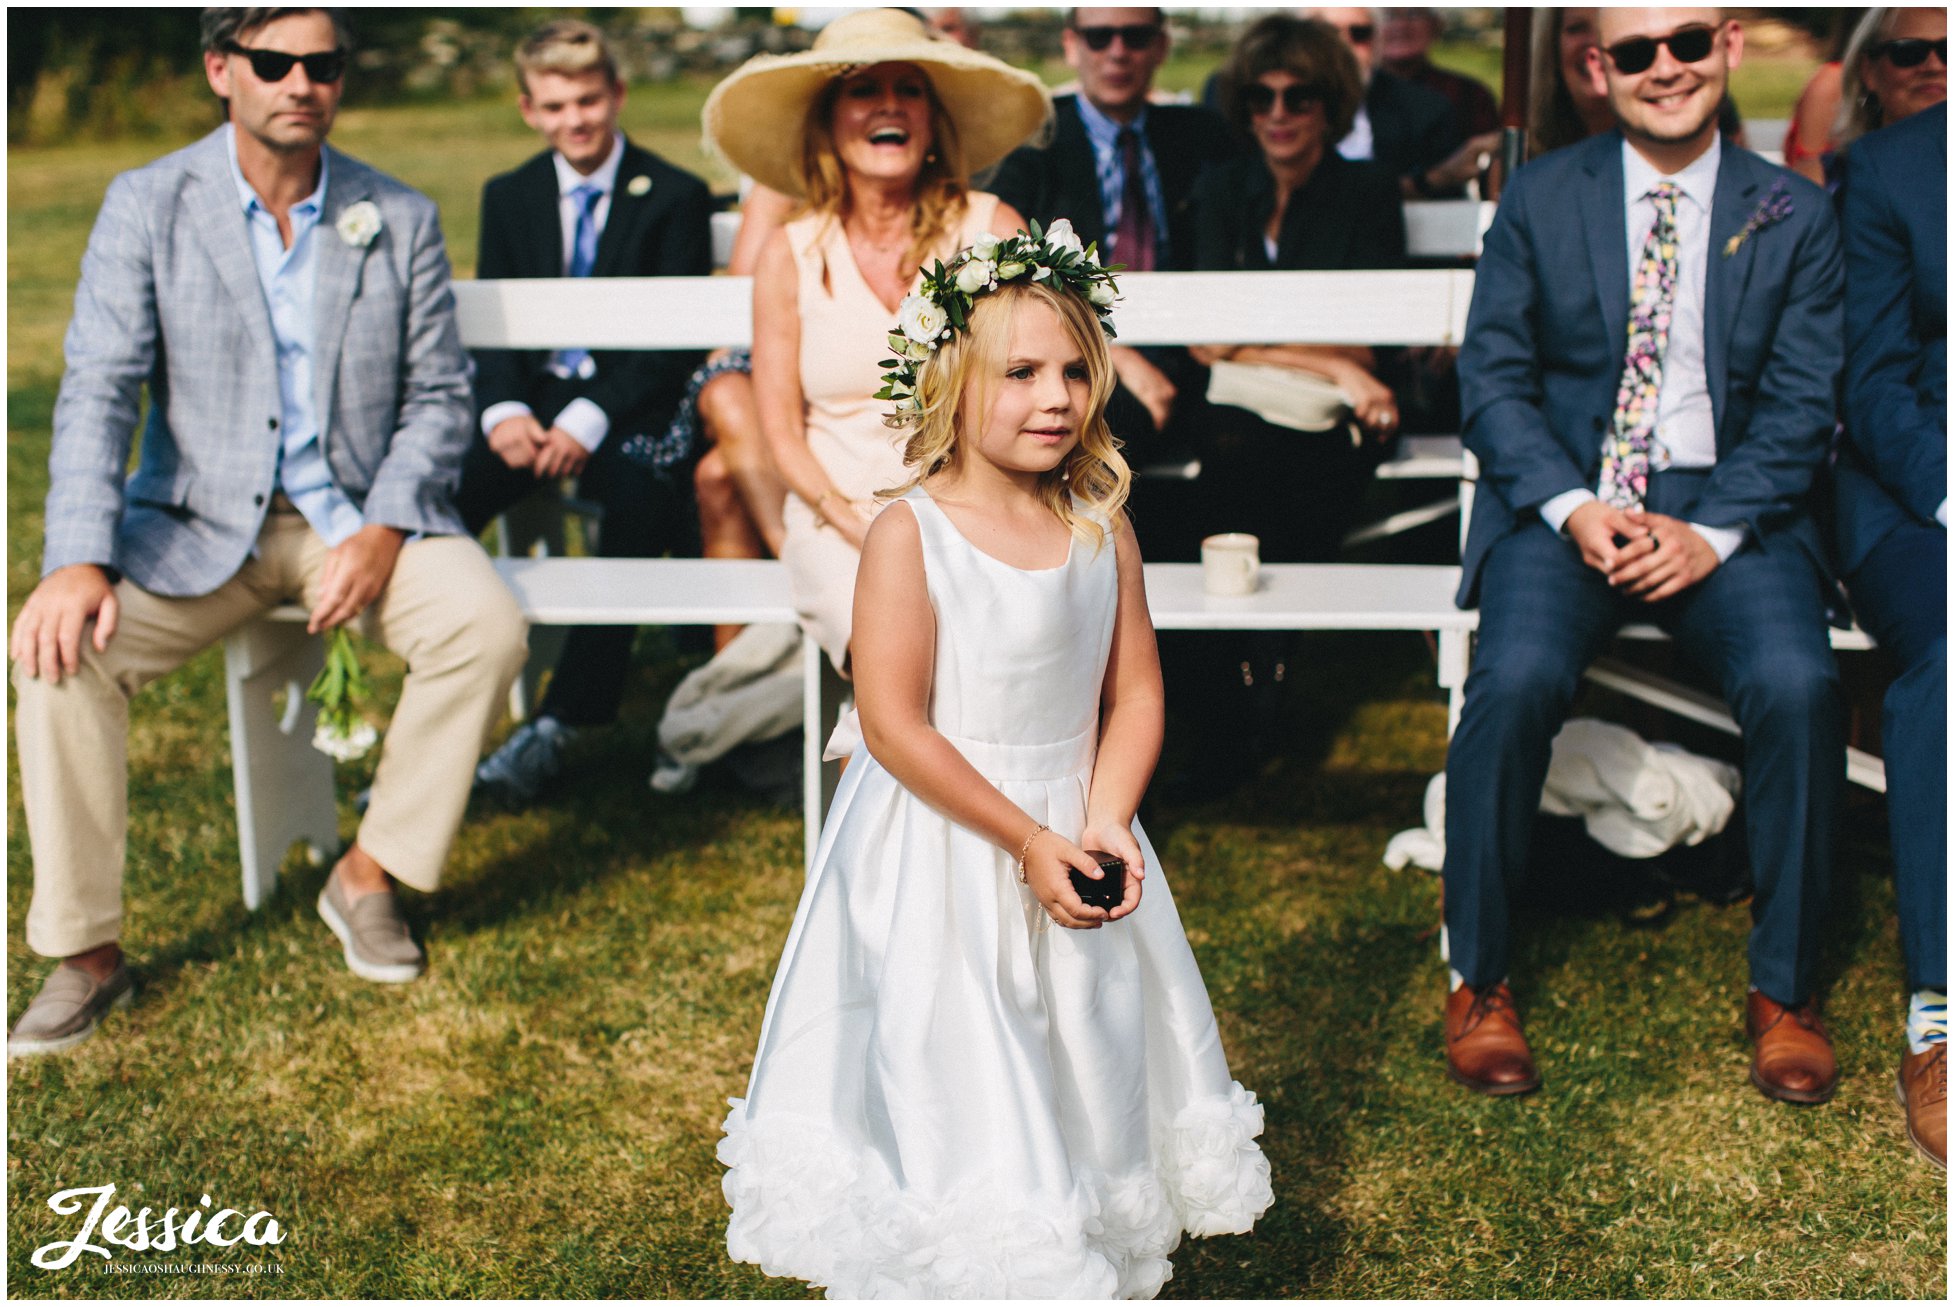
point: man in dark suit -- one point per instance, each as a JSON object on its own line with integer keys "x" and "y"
{"x": 1892, "y": 536}
{"x": 1409, "y": 130}
{"x": 1123, "y": 170}
{"x": 592, "y": 205}
{"x": 1646, "y": 447}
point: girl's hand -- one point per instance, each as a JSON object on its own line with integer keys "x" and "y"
{"x": 1048, "y": 868}
{"x": 1117, "y": 839}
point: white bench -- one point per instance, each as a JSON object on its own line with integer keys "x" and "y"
{"x": 284, "y": 787}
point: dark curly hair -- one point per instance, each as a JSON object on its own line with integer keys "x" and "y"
{"x": 1310, "y": 51}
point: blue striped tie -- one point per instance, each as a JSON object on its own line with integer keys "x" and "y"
{"x": 583, "y": 259}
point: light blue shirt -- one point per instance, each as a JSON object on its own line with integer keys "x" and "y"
{"x": 289, "y": 277}
{"x": 1103, "y": 132}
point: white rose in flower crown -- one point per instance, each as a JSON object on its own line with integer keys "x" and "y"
{"x": 920, "y": 320}
{"x": 985, "y": 246}
{"x": 1101, "y": 294}
{"x": 359, "y": 223}
{"x": 1060, "y": 236}
{"x": 975, "y": 276}
{"x": 916, "y": 351}
{"x": 1010, "y": 269}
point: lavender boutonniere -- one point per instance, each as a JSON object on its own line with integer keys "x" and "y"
{"x": 1774, "y": 207}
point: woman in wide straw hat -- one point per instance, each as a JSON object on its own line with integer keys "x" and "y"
{"x": 875, "y": 131}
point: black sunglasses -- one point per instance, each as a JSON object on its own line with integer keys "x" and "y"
{"x": 1908, "y": 51}
{"x": 1261, "y": 98}
{"x": 1690, "y": 45}
{"x": 1359, "y": 33}
{"x": 276, "y": 65}
{"x": 1134, "y": 36}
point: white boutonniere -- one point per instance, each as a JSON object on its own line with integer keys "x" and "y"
{"x": 359, "y": 224}
{"x": 638, "y": 186}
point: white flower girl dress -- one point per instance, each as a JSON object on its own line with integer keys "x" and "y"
{"x": 948, "y": 1101}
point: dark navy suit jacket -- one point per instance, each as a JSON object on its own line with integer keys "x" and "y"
{"x": 1548, "y": 330}
{"x": 1893, "y": 468}
{"x": 665, "y": 231}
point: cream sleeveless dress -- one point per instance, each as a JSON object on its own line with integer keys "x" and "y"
{"x": 946, "y": 1100}
{"x": 844, "y": 334}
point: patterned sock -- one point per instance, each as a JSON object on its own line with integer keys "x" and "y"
{"x": 1926, "y": 1019}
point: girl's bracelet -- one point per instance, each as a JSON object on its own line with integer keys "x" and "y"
{"x": 824, "y": 497}
{"x": 1026, "y": 848}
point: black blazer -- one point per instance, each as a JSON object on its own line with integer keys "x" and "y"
{"x": 1061, "y": 180}
{"x": 665, "y": 232}
{"x": 1412, "y": 127}
{"x": 1347, "y": 215}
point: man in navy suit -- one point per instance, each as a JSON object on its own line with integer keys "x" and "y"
{"x": 592, "y": 205}
{"x": 1646, "y": 449}
{"x": 1892, "y": 536}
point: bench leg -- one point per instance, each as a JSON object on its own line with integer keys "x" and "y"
{"x": 284, "y": 786}
{"x": 533, "y": 528}
{"x": 1454, "y": 662}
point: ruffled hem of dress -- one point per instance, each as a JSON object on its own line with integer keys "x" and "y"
{"x": 806, "y": 1206}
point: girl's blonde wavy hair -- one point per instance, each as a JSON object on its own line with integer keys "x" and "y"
{"x": 940, "y": 187}
{"x": 1094, "y": 474}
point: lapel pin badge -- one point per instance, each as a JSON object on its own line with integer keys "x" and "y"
{"x": 639, "y": 185}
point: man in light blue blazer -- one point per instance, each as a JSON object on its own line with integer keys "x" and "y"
{"x": 1892, "y": 534}
{"x": 1646, "y": 445}
{"x": 289, "y": 310}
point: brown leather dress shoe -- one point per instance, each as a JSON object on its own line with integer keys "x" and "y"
{"x": 1485, "y": 1049}
{"x": 1793, "y": 1059}
{"x": 1922, "y": 1091}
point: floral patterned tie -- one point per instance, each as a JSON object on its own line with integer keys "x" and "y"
{"x": 1625, "y": 454}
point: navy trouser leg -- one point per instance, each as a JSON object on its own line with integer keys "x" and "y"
{"x": 1900, "y": 592}
{"x": 1543, "y": 617}
{"x": 1758, "y": 622}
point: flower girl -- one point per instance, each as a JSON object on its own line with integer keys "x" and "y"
{"x": 951, "y": 1097}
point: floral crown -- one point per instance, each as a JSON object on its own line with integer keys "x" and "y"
{"x": 942, "y": 307}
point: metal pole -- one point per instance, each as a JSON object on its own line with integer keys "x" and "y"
{"x": 1514, "y": 88}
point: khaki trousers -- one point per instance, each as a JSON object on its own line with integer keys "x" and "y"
{"x": 444, "y": 611}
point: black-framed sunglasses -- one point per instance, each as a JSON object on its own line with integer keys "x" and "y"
{"x": 1908, "y": 51}
{"x": 1260, "y": 98}
{"x": 276, "y": 65}
{"x": 1134, "y": 36}
{"x": 1689, "y": 45}
{"x": 1359, "y": 33}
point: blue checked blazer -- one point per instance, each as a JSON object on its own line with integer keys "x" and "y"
{"x": 169, "y": 296}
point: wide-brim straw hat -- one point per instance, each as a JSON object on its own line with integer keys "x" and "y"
{"x": 757, "y": 117}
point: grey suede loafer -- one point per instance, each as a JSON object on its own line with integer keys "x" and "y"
{"x": 373, "y": 934}
{"x": 66, "y": 1010}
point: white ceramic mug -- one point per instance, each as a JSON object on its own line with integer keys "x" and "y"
{"x": 1231, "y": 564}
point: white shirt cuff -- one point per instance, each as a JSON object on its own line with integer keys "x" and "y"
{"x": 496, "y": 414}
{"x": 1940, "y": 514}
{"x": 586, "y": 423}
{"x": 1723, "y": 539}
{"x": 1557, "y": 510}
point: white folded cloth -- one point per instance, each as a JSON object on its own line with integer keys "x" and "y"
{"x": 1636, "y": 799}
{"x": 751, "y": 690}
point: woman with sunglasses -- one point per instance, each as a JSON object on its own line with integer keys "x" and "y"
{"x": 1293, "y": 86}
{"x": 1895, "y": 66}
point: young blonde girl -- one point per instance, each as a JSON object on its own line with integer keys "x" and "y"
{"x": 951, "y": 1098}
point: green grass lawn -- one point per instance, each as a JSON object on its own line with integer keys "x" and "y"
{"x": 537, "y": 1117}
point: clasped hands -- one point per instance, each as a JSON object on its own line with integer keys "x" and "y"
{"x": 550, "y": 452}
{"x": 1050, "y": 858}
{"x": 1659, "y": 556}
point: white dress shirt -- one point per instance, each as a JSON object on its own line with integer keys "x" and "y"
{"x": 1685, "y": 433}
{"x": 1359, "y": 143}
{"x": 582, "y": 418}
